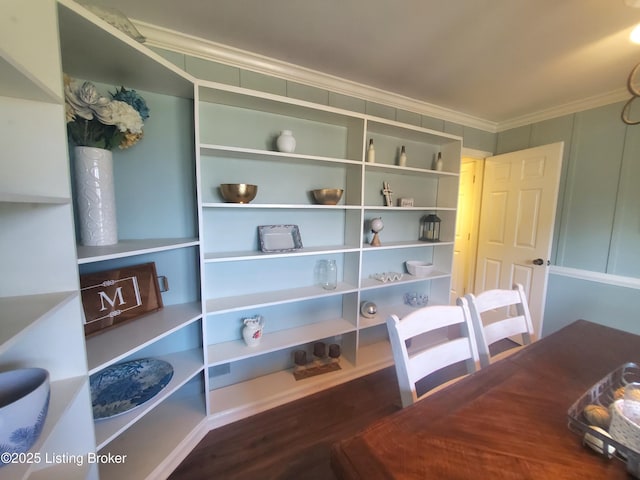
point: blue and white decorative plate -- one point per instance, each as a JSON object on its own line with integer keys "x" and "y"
{"x": 122, "y": 387}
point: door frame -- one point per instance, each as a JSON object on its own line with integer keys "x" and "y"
{"x": 478, "y": 157}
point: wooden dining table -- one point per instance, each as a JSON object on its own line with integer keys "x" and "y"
{"x": 506, "y": 421}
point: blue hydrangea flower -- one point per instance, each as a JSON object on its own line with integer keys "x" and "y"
{"x": 132, "y": 98}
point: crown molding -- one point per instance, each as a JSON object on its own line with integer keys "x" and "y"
{"x": 190, "y": 45}
{"x": 566, "y": 109}
{"x": 197, "y": 47}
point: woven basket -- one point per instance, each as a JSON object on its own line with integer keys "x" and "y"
{"x": 623, "y": 429}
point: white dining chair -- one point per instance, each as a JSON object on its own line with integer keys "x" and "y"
{"x": 426, "y": 357}
{"x": 498, "y": 315}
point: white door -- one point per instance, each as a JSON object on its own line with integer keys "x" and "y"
{"x": 519, "y": 197}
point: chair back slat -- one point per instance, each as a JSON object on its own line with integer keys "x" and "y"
{"x": 414, "y": 364}
{"x": 497, "y": 315}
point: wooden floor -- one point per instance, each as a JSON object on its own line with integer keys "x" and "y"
{"x": 292, "y": 441}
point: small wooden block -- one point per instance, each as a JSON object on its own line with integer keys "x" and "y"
{"x": 319, "y": 370}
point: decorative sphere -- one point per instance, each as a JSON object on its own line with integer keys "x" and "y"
{"x": 368, "y": 309}
{"x": 377, "y": 225}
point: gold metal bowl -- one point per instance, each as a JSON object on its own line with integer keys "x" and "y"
{"x": 238, "y": 192}
{"x": 327, "y": 196}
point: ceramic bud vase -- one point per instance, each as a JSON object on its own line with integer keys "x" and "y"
{"x": 96, "y": 197}
{"x": 252, "y": 330}
{"x": 286, "y": 142}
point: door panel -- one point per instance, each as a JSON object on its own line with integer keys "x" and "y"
{"x": 519, "y": 199}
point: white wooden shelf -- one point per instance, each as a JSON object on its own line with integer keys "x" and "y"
{"x": 117, "y": 343}
{"x": 382, "y": 208}
{"x": 280, "y": 206}
{"x": 257, "y": 255}
{"x": 64, "y": 471}
{"x": 7, "y": 197}
{"x": 255, "y": 154}
{"x": 84, "y": 35}
{"x": 19, "y": 83}
{"x": 251, "y": 396}
{"x": 372, "y": 283}
{"x": 18, "y": 314}
{"x": 384, "y": 312}
{"x": 150, "y": 445}
{"x": 185, "y": 366}
{"x": 407, "y": 244}
{"x": 396, "y": 169}
{"x": 375, "y": 356}
{"x": 237, "y": 350}
{"x": 128, "y": 248}
{"x": 263, "y": 299}
{"x": 63, "y": 392}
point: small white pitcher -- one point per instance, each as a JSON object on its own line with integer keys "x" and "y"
{"x": 252, "y": 330}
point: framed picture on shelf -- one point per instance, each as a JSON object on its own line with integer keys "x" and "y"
{"x": 112, "y": 297}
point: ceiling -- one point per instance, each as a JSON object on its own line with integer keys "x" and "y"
{"x": 496, "y": 60}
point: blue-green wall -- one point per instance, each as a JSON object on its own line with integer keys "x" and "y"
{"x": 217, "y": 72}
{"x": 597, "y": 225}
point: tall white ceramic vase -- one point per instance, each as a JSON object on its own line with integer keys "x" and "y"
{"x": 96, "y": 197}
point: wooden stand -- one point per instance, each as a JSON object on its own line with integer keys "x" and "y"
{"x": 316, "y": 370}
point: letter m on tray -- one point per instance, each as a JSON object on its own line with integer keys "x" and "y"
{"x": 112, "y": 297}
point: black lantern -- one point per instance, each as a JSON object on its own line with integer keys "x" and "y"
{"x": 430, "y": 228}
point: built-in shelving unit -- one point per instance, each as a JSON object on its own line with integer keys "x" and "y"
{"x": 207, "y": 249}
{"x": 236, "y": 133}
{"x": 157, "y": 222}
{"x": 40, "y": 310}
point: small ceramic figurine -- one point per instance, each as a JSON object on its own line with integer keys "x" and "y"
{"x": 376, "y": 227}
{"x": 252, "y": 330}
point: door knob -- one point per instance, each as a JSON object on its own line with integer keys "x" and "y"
{"x": 539, "y": 261}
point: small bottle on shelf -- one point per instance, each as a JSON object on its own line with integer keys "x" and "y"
{"x": 438, "y": 162}
{"x": 371, "y": 152}
{"x": 402, "y": 159}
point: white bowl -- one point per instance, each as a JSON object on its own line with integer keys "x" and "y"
{"x": 418, "y": 268}
{"x": 24, "y": 403}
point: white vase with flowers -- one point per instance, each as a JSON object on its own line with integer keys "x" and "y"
{"x": 96, "y": 125}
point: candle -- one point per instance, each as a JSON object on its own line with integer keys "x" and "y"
{"x": 300, "y": 357}
{"x": 319, "y": 349}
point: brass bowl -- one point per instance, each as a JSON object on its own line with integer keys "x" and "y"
{"x": 327, "y": 196}
{"x": 238, "y": 192}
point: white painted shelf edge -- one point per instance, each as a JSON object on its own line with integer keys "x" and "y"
{"x": 371, "y": 283}
{"x": 122, "y": 341}
{"x": 237, "y": 350}
{"x": 377, "y": 208}
{"x": 18, "y": 314}
{"x": 151, "y": 446}
{"x": 8, "y": 197}
{"x": 256, "y": 255}
{"x": 409, "y": 170}
{"x": 128, "y": 248}
{"x": 281, "y": 206}
{"x": 251, "y": 153}
{"x": 278, "y": 388}
{"x": 410, "y": 244}
{"x": 383, "y": 313}
{"x": 64, "y": 471}
{"x": 263, "y": 299}
{"x": 18, "y": 82}
{"x": 185, "y": 365}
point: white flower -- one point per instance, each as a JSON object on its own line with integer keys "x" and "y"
{"x": 120, "y": 114}
{"x": 85, "y": 100}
